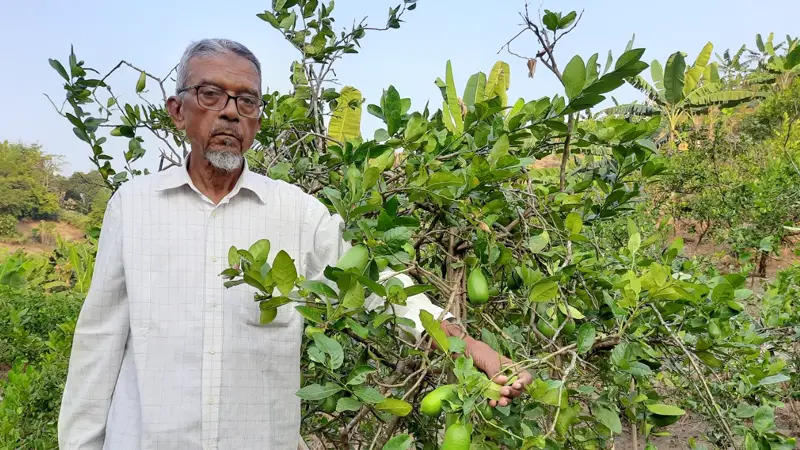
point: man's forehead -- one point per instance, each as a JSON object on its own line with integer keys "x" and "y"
{"x": 224, "y": 70}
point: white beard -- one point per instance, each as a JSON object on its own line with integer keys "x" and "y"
{"x": 225, "y": 160}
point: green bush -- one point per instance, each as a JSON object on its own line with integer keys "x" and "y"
{"x": 28, "y": 317}
{"x": 8, "y": 226}
{"x": 35, "y": 338}
{"x": 31, "y": 398}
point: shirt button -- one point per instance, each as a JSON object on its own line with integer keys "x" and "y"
{"x": 214, "y": 258}
{"x": 210, "y": 401}
{"x": 212, "y": 351}
{"x": 214, "y": 214}
{"x": 215, "y": 304}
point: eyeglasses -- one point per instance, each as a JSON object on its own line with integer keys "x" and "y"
{"x": 215, "y": 99}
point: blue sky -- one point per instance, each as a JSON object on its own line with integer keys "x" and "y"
{"x": 152, "y": 35}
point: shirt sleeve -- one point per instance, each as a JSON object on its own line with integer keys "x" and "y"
{"x": 329, "y": 247}
{"x": 101, "y": 334}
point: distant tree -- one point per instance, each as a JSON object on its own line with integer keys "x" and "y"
{"x": 80, "y": 190}
{"x": 27, "y": 177}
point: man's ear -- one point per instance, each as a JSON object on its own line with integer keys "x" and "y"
{"x": 175, "y": 109}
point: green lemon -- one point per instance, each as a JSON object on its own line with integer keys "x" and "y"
{"x": 355, "y": 258}
{"x": 431, "y": 404}
{"x": 311, "y": 331}
{"x": 569, "y": 328}
{"x": 545, "y": 328}
{"x": 457, "y": 437}
{"x": 477, "y": 287}
{"x": 329, "y": 405}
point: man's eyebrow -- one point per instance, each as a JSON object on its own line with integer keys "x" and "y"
{"x": 210, "y": 82}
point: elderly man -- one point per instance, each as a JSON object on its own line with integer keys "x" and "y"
{"x": 164, "y": 357}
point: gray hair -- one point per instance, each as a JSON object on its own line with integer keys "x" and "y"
{"x": 210, "y": 47}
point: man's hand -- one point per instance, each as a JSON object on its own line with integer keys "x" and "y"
{"x": 491, "y": 363}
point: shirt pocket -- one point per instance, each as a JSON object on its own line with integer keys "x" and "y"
{"x": 250, "y": 312}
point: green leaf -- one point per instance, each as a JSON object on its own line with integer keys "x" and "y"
{"x": 359, "y": 375}
{"x": 368, "y": 394}
{"x": 674, "y": 78}
{"x": 345, "y": 123}
{"x": 395, "y": 407}
{"x": 659, "y": 274}
{"x": 233, "y": 256}
{"x": 657, "y": 74}
{"x": 629, "y": 58}
{"x": 500, "y": 149}
{"x": 608, "y": 418}
{"x": 397, "y": 237}
{"x": 317, "y": 392}
{"x": 550, "y": 20}
{"x": 793, "y": 59}
{"x": 55, "y": 64}
{"x": 289, "y": 21}
{"x": 573, "y": 224}
{"x": 567, "y": 20}
{"x": 354, "y": 297}
{"x": 586, "y": 336}
{"x": 273, "y": 303}
{"x": 332, "y": 348}
{"x": 764, "y": 420}
{"x": 475, "y": 90}
{"x": 574, "y": 77}
{"x": 259, "y": 250}
{"x": 452, "y": 101}
{"x": 750, "y": 443}
{"x": 779, "y": 378}
{"x": 665, "y": 410}
{"x": 141, "y": 82}
{"x": 634, "y": 242}
{"x": 592, "y": 69}
{"x": 401, "y": 442}
{"x": 498, "y": 83}
{"x": 537, "y": 243}
{"x": 543, "y": 291}
{"x": 284, "y": 272}
{"x": 319, "y": 288}
{"x": 347, "y": 404}
{"x": 723, "y": 292}
{"x": 433, "y": 328}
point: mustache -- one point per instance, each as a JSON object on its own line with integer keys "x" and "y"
{"x": 227, "y": 131}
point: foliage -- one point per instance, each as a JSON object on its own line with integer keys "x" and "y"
{"x": 36, "y": 341}
{"x": 610, "y": 321}
{"x": 8, "y": 226}
{"x": 81, "y": 189}
{"x": 743, "y": 183}
{"x": 679, "y": 91}
{"x": 26, "y": 174}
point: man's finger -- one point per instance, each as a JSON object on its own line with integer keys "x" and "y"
{"x": 501, "y": 379}
{"x": 493, "y": 403}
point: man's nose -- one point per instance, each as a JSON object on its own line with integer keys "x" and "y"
{"x": 230, "y": 112}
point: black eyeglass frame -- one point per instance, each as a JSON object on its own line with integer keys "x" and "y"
{"x": 235, "y": 98}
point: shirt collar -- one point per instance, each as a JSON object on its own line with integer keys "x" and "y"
{"x": 179, "y": 176}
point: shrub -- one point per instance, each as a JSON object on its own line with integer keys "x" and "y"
{"x": 8, "y": 226}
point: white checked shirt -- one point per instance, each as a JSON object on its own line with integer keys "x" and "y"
{"x": 164, "y": 356}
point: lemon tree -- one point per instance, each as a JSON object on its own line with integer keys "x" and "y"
{"x": 546, "y": 265}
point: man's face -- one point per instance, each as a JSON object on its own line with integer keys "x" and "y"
{"x": 220, "y": 136}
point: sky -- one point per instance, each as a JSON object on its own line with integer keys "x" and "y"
{"x": 153, "y": 34}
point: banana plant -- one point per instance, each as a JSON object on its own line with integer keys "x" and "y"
{"x": 781, "y": 68}
{"x": 678, "y": 91}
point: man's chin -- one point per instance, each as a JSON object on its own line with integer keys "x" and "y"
{"x": 228, "y": 160}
